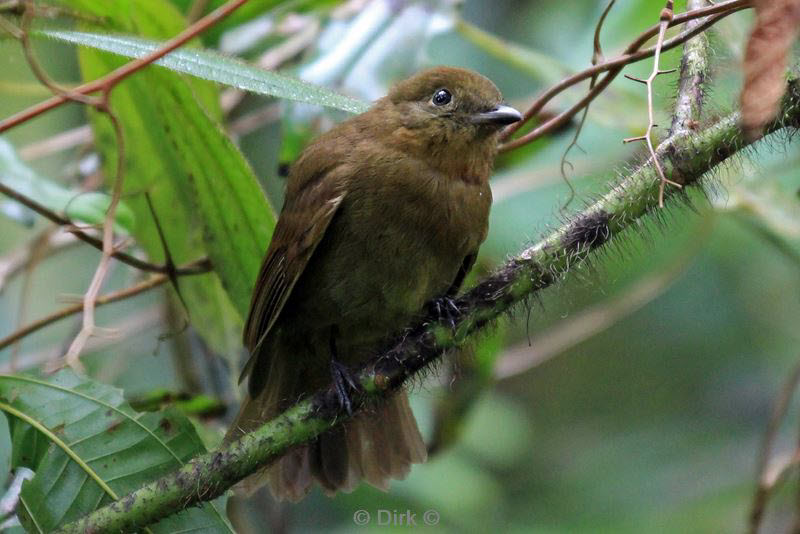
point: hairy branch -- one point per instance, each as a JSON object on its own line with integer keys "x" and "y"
{"x": 694, "y": 73}
{"x": 684, "y": 158}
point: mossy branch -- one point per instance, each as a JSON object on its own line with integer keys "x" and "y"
{"x": 685, "y": 158}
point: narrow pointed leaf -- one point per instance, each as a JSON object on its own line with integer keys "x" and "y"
{"x": 216, "y": 67}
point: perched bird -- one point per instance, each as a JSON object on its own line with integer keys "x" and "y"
{"x": 383, "y": 213}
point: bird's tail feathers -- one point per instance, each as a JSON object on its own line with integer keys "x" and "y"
{"x": 376, "y": 446}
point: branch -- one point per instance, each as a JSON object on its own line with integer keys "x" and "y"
{"x": 21, "y": 258}
{"x": 122, "y": 294}
{"x": 665, "y": 18}
{"x": 131, "y": 325}
{"x": 200, "y": 266}
{"x": 88, "y": 326}
{"x": 107, "y": 82}
{"x": 613, "y": 67}
{"x": 685, "y": 158}
{"x": 770, "y": 476}
{"x": 597, "y": 57}
{"x": 80, "y": 135}
{"x": 593, "y": 320}
{"x": 691, "y": 84}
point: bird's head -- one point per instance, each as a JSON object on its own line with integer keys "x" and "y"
{"x": 451, "y": 105}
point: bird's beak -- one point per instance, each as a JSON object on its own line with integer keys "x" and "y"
{"x": 501, "y": 116}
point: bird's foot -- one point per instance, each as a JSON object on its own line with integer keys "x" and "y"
{"x": 344, "y": 381}
{"x": 445, "y": 309}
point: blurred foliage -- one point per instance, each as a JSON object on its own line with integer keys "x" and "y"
{"x": 650, "y": 425}
{"x": 87, "y": 207}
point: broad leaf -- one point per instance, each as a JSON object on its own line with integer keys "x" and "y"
{"x": 231, "y": 205}
{"x": 216, "y": 67}
{"x": 157, "y": 165}
{"x": 100, "y": 449}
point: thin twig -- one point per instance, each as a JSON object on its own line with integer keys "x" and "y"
{"x": 723, "y": 7}
{"x": 168, "y": 261}
{"x": 141, "y": 322}
{"x": 37, "y": 252}
{"x": 768, "y": 479}
{"x": 9, "y": 28}
{"x": 107, "y": 82}
{"x": 154, "y": 281}
{"x": 196, "y": 10}
{"x": 88, "y": 327}
{"x": 36, "y": 68}
{"x": 275, "y": 57}
{"x": 102, "y": 104}
{"x": 666, "y": 16}
{"x": 19, "y": 259}
{"x": 597, "y": 57}
{"x": 252, "y": 121}
{"x": 80, "y": 135}
{"x": 200, "y": 266}
{"x": 613, "y": 68}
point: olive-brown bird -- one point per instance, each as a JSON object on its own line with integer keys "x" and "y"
{"x": 383, "y": 213}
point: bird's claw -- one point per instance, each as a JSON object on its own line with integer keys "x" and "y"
{"x": 343, "y": 380}
{"x": 445, "y": 309}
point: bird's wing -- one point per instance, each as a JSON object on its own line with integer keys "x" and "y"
{"x": 301, "y": 226}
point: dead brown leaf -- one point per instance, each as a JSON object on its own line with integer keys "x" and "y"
{"x": 766, "y": 59}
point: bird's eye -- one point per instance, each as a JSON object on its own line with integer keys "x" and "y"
{"x": 441, "y": 97}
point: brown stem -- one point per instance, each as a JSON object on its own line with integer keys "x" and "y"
{"x": 637, "y": 43}
{"x": 111, "y": 79}
{"x": 667, "y": 15}
{"x": 766, "y": 481}
{"x": 153, "y": 281}
{"x": 196, "y": 267}
{"x": 613, "y": 67}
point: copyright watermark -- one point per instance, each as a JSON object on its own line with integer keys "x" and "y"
{"x": 395, "y": 518}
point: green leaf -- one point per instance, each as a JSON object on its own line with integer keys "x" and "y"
{"x": 215, "y": 67}
{"x": 100, "y": 449}
{"x": 77, "y": 205}
{"x": 238, "y": 221}
{"x": 155, "y": 164}
{"x": 28, "y": 446}
{"x": 5, "y": 447}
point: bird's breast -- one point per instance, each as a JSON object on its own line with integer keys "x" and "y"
{"x": 396, "y": 242}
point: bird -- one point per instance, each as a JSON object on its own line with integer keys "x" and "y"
{"x": 383, "y": 214}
